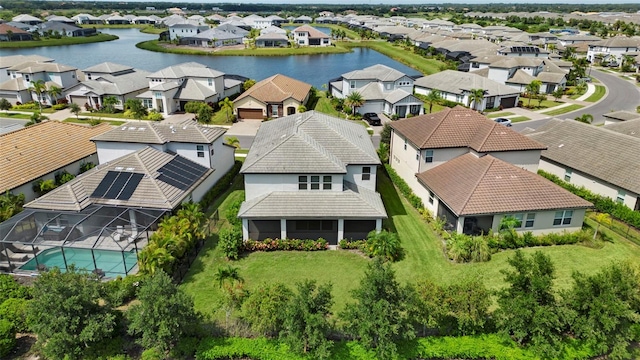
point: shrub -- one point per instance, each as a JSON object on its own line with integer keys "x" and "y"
{"x": 384, "y": 244}
{"x": 404, "y": 188}
{"x": 10, "y": 288}
{"x": 122, "y": 290}
{"x": 466, "y": 248}
{"x": 7, "y": 337}
{"x": 221, "y": 186}
{"x": 286, "y": 245}
{"x": 59, "y": 106}
{"x": 26, "y": 106}
{"x": 94, "y": 122}
{"x": 232, "y": 213}
{"x": 230, "y": 242}
{"x": 154, "y": 116}
{"x": 14, "y": 310}
{"x": 152, "y": 354}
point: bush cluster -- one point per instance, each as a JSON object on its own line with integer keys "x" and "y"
{"x": 221, "y": 186}
{"x": 26, "y": 106}
{"x": 59, "y": 106}
{"x": 404, "y": 188}
{"x": 601, "y": 203}
{"x": 7, "y": 337}
{"x": 383, "y": 244}
{"x": 286, "y": 245}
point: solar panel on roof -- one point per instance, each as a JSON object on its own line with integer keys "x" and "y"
{"x": 105, "y": 184}
{"x": 181, "y": 173}
{"x": 130, "y": 187}
{"x": 117, "y": 185}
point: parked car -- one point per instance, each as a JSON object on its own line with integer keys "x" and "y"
{"x": 503, "y": 121}
{"x": 372, "y": 118}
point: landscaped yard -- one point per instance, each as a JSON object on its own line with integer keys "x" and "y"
{"x": 499, "y": 114}
{"x": 424, "y": 259}
{"x": 563, "y": 110}
{"x": 11, "y": 115}
{"x": 58, "y": 42}
{"x": 519, "y": 119}
{"x": 85, "y": 121}
{"x": 598, "y": 94}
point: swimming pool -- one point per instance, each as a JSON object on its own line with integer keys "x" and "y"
{"x": 113, "y": 263}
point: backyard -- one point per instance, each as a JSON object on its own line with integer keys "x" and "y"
{"x": 424, "y": 259}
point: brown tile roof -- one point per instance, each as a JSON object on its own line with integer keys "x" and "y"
{"x": 4, "y": 28}
{"x": 462, "y": 127}
{"x": 277, "y": 88}
{"x": 313, "y": 33}
{"x": 488, "y": 185}
{"x": 154, "y": 133}
{"x": 37, "y": 150}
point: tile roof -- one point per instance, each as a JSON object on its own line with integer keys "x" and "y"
{"x": 457, "y": 82}
{"x": 631, "y": 128}
{"x": 189, "y": 69}
{"x": 310, "y": 142}
{"x": 277, "y": 88}
{"x": 520, "y": 77}
{"x": 114, "y": 85}
{"x": 16, "y": 84}
{"x": 488, "y": 185}
{"x": 191, "y": 89}
{"x": 462, "y": 127}
{"x": 35, "y": 67}
{"x": 153, "y": 133}
{"x": 352, "y": 203}
{"x": 150, "y": 192}
{"x": 592, "y": 150}
{"x": 622, "y": 115}
{"x": 10, "y": 61}
{"x": 32, "y": 152}
{"x": 313, "y": 32}
{"x": 107, "y": 68}
{"x": 375, "y": 72}
{"x": 5, "y": 28}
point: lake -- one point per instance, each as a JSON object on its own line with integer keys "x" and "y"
{"x": 313, "y": 69}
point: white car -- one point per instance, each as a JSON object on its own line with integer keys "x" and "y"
{"x": 503, "y": 121}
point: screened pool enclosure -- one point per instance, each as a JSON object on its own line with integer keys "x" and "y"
{"x": 101, "y": 239}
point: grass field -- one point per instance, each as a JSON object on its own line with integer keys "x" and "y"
{"x": 563, "y": 110}
{"x": 519, "y": 119}
{"x": 85, "y": 121}
{"x": 57, "y": 42}
{"x": 499, "y": 114}
{"x": 423, "y": 65}
{"x": 598, "y": 94}
{"x": 157, "y": 46}
{"x": 424, "y": 259}
{"x": 10, "y": 115}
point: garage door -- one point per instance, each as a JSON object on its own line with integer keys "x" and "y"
{"x": 12, "y": 98}
{"x": 79, "y": 100}
{"x": 508, "y": 102}
{"x": 250, "y": 114}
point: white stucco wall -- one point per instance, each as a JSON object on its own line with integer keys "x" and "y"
{"x": 404, "y": 161}
{"x": 543, "y": 223}
{"x": 259, "y": 184}
{"x": 189, "y": 151}
{"x": 354, "y": 175}
{"x": 108, "y": 150}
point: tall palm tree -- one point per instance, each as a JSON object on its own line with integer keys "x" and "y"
{"x": 354, "y": 101}
{"x": 233, "y": 141}
{"x": 227, "y": 106}
{"x": 39, "y": 88}
{"x": 433, "y": 96}
{"x": 585, "y": 118}
{"x": 54, "y": 93}
{"x": 476, "y": 96}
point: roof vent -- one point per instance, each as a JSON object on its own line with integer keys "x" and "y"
{"x": 561, "y": 145}
{"x": 119, "y": 168}
{"x": 132, "y": 127}
{"x": 184, "y": 127}
{"x": 130, "y": 169}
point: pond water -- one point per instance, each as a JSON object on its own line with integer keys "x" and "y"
{"x": 313, "y": 69}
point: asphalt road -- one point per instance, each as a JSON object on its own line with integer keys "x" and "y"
{"x": 622, "y": 95}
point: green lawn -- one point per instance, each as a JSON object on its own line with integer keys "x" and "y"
{"x": 519, "y": 119}
{"x": 500, "y": 114}
{"x": 323, "y": 105}
{"x": 85, "y": 121}
{"x": 11, "y": 115}
{"x": 598, "y": 94}
{"x": 563, "y": 110}
{"x": 424, "y": 259}
{"x": 538, "y": 105}
{"x": 157, "y": 46}
{"x": 57, "y": 42}
{"x": 46, "y": 110}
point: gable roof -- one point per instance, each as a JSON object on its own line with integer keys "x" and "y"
{"x": 188, "y": 69}
{"x": 631, "y": 128}
{"x": 310, "y": 142}
{"x": 12, "y": 60}
{"x": 462, "y": 127}
{"x": 622, "y": 115}
{"x": 115, "y": 85}
{"x": 457, "y": 82}
{"x": 5, "y": 28}
{"x": 36, "y": 67}
{"x": 592, "y": 150}
{"x": 37, "y": 150}
{"x": 487, "y": 185}
{"x": 158, "y": 133}
{"x": 150, "y": 192}
{"x": 277, "y": 88}
{"x": 107, "y": 68}
{"x": 313, "y": 32}
{"x": 376, "y": 72}
{"x": 194, "y": 90}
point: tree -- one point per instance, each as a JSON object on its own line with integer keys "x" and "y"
{"x": 302, "y": 108}
{"x": 193, "y": 106}
{"x": 263, "y": 308}
{"x": 226, "y": 105}
{"x": 164, "y": 313}
{"x": 75, "y": 109}
{"x": 54, "y": 93}
{"x": 109, "y": 103}
{"x": 601, "y": 218}
{"x": 225, "y": 276}
{"x": 205, "y": 113}
{"x": 533, "y": 89}
{"x": 10, "y": 205}
{"x": 5, "y": 104}
{"x": 233, "y": 141}
{"x": 39, "y": 88}
{"x": 385, "y": 134}
{"x": 585, "y": 118}
{"x": 67, "y": 313}
{"x": 135, "y": 108}
{"x": 433, "y": 97}
{"x": 379, "y": 317}
{"x": 248, "y": 84}
{"x": 354, "y": 101}
{"x": 569, "y": 53}
{"x": 477, "y": 97}
{"x": 557, "y": 93}
{"x": 528, "y": 310}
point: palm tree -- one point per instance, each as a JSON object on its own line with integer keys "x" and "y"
{"x": 585, "y": 118}
{"x": 476, "y": 96}
{"x": 433, "y": 96}
{"x": 233, "y": 141}
{"x": 54, "y": 93}
{"x": 354, "y": 101}
{"x": 533, "y": 89}
{"x": 39, "y": 88}
{"x": 75, "y": 109}
{"x": 601, "y": 218}
{"x": 557, "y": 93}
{"x": 227, "y": 106}
{"x": 226, "y": 276}
{"x": 569, "y": 53}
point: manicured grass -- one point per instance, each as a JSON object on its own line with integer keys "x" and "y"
{"x": 46, "y": 110}
{"x": 323, "y": 105}
{"x": 563, "y": 110}
{"x": 398, "y": 53}
{"x": 598, "y": 94}
{"x": 85, "y": 121}
{"x": 500, "y": 114}
{"x": 519, "y": 119}
{"x": 11, "y": 115}
{"x": 220, "y": 118}
{"x": 157, "y": 46}
{"x": 538, "y": 105}
{"x": 118, "y": 115}
{"x": 150, "y": 29}
{"x": 57, "y": 42}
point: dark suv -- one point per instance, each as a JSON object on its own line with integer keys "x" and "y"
{"x": 372, "y": 118}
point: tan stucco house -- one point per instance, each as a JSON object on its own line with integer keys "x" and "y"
{"x": 272, "y": 97}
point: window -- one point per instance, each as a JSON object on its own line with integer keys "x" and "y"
{"x": 531, "y": 217}
{"x": 567, "y": 175}
{"x": 147, "y": 103}
{"x": 519, "y": 218}
{"x": 26, "y": 77}
{"x": 431, "y": 196}
{"x": 302, "y": 183}
{"x": 418, "y": 155}
{"x": 405, "y": 144}
{"x": 387, "y": 86}
{"x": 326, "y": 182}
{"x": 366, "y": 173}
{"x": 620, "y": 197}
{"x": 428, "y": 156}
{"x": 212, "y": 151}
{"x": 274, "y": 111}
{"x": 210, "y": 82}
{"x": 158, "y": 95}
{"x": 315, "y": 182}
{"x": 352, "y": 84}
{"x": 563, "y": 217}
{"x": 200, "y": 149}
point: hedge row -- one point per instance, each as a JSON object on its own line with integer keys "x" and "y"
{"x": 527, "y": 239}
{"x": 404, "y": 188}
{"x": 489, "y": 346}
{"x": 286, "y": 245}
{"x": 221, "y": 186}
{"x": 601, "y": 203}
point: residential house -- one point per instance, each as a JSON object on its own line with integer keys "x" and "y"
{"x": 620, "y": 116}
{"x": 273, "y": 97}
{"x": 306, "y": 35}
{"x": 611, "y": 50}
{"x": 27, "y": 19}
{"x": 62, "y": 19}
{"x": 589, "y": 156}
{"x": 116, "y": 20}
{"x": 457, "y": 86}
{"x": 108, "y": 79}
{"x": 310, "y": 176}
{"x": 87, "y": 19}
{"x": 385, "y": 90}
{"x": 567, "y": 40}
{"x": 64, "y": 29}
{"x": 185, "y": 30}
{"x": 523, "y": 51}
{"x": 23, "y": 74}
{"x": 473, "y": 172}
{"x": 518, "y": 72}
{"x": 11, "y": 33}
{"x": 212, "y": 38}
{"x": 41, "y": 151}
{"x": 272, "y": 39}
{"x": 303, "y": 20}
{"x": 172, "y": 87}
{"x": 236, "y": 30}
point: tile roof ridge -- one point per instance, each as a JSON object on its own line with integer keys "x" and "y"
{"x": 282, "y": 141}
{"x": 487, "y": 135}
{"x": 148, "y": 173}
{"x": 435, "y": 129}
{"x": 491, "y": 160}
{"x": 158, "y": 135}
{"x": 318, "y": 147}
{"x": 256, "y": 201}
